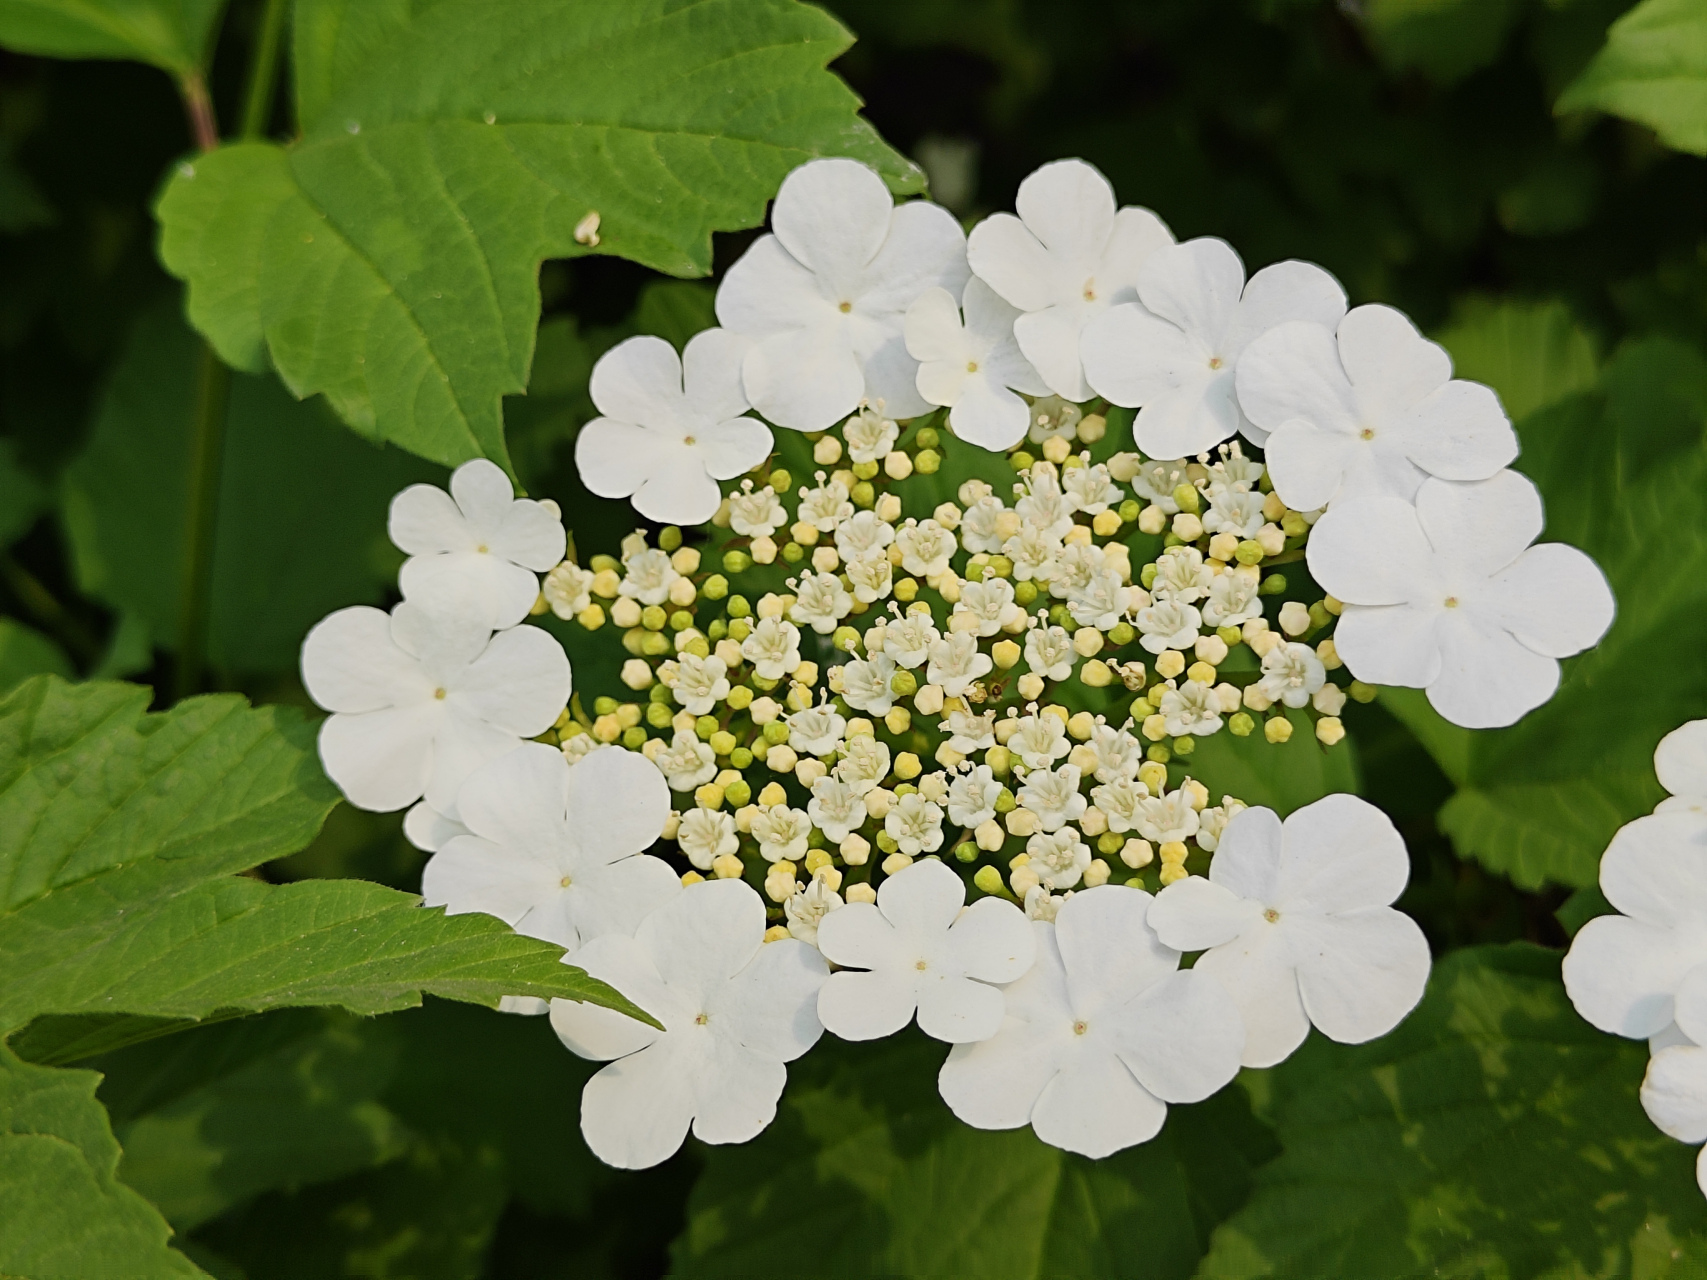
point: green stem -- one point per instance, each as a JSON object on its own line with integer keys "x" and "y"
{"x": 263, "y": 70}
{"x": 213, "y": 394}
{"x": 40, "y": 603}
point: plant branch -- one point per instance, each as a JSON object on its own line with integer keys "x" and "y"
{"x": 198, "y": 106}
{"x": 207, "y": 453}
{"x": 40, "y": 604}
{"x": 263, "y": 70}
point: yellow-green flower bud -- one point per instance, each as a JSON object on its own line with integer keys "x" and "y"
{"x": 669, "y": 537}
{"x": 886, "y": 842}
{"x": 1230, "y": 635}
{"x": 633, "y": 639}
{"x": 793, "y": 552}
{"x": 738, "y": 607}
{"x": 1159, "y": 753}
{"x": 699, "y": 646}
{"x": 722, "y": 742}
{"x": 602, "y": 564}
{"x": 715, "y": 587}
{"x": 1241, "y": 725}
{"x": 739, "y": 792}
{"x": 655, "y": 644}
{"x": 1319, "y": 616}
{"x": 1273, "y": 585}
{"x": 1021, "y": 461}
{"x": 716, "y": 630}
{"x": 776, "y": 733}
{"x": 966, "y": 851}
{"x": 999, "y": 567}
{"x": 1361, "y": 692}
{"x": 1249, "y": 552}
{"x": 906, "y": 589}
{"x": 658, "y": 714}
{"x": 660, "y": 693}
{"x": 1293, "y": 525}
{"x": 864, "y": 496}
{"x": 1005, "y": 802}
{"x": 1110, "y": 843}
{"x": 1121, "y": 634}
{"x": 1147, "y": 576}
{"x": 1184, "y": 746}
{"x": 988, "y": 878}
{"x": 653, "y": 617}
{"x": 927, "y": 438}
{"x": 681, "y": 620}
{"x": 634, "y": 737}
{"x": 865, "y": 470}
{"x": 1130, "y": 511}
{"x": 781, "y": 481}
{"x": 740, "y": 629}
{"x": 735, "y": 562}
{"x": 904, "y": 683}
{"x": 706, "y": 727}
{"x": 604, "y": 706}
{"x": 1025, "y": 593}
{"x": 928, "y": 463}
{"x": 846, "y": 639}
{"x": 1000, "y": 761}
{"x": 1186, "y": 499}
{"x": 739, "y": 758}
{"x": 740, "y": 698}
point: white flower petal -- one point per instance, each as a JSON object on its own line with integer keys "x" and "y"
{"x": 1371, "y": 551}
{"x": 860, "y": 1005}
{"x": 767, "y": 292}
{"x": 1487, "y": 679}
{"x": 462, "y": 745}
{"x": 1286, "y": 292}
{"x": 991, "y": 941}
{"x": 1093, "y": 1107}
{"x": 1107, "y": 947}
{"x": 988, "y": 415}
{"x": 615, "y": 458}
{"x": 711, "y": 374}
{"x": 1459, "y": 432}
{"x": 1257, "y": 971}
{"x": 833, "y": 215}
{"x": 1132, "y": 357}
{"x": 1341, "y": 854}
{"x": 705, "y": 935}
{"x": 530, "y": 536}
{"x": 635, "y": 1113}
{"x": 921, "y": 901}
{"x": 1389, "y": 362}
{"x": 1621, "y": 974}
{"x": 428, "y": 829}
{"x": 1689, "y": 1005}
{"x": 600, "y": 1034}
{"x": 472, "y": 874}
{"x": 1182, "y": 1038}
{"x": 737, "y": 1094}
{"x": 891, "y": 376}
{"x": 1196, "y": 285}
{"x": 381, "y": 760}
{"x": 1069, "y": 207}
{"x": 519, "y": 684}
{"x": 1050, "y": 341}
{"x": 1390, "y": 644}
{"x": 506, "y": 591}
{"x": 603, "y": 900}
{"x": 677, "y": 490}
{"x": 734, "y": 446}
{"x": 484, "y": 494}
{"x": 995, "y": 1083}
{"x": 1011, "y": 260}
{"x": 933, "y": 330}
{"x": 1554, "y": 599}
{"x": 1192, "y": 418}
{"x": 1196, "y": 913}
{"x": 617, "y": 803}
{"x": 1138, "y": 234}
{"x": 350, "y": 663}
{"x": 807, "y": 379}
{"x": 639, "y": 381}
{"x": 1485, "y": 525}
{"x": 958, "y": 1010}
{"x": 1681, "y": 760}
{"x": 1307, "y": 463}
{"x": 1655, "y": 869}
{"x": 1674, "y": 1093}
{"x": 1248, "y": 858}
{"x": 1293, "y": 371}
{"x": 1359, "y": 973}
{"x": 925, "y": 248}
{"x": 518, "y": 801}
{"x": 424, "y": 520}
{"x": 771, "y": 1005}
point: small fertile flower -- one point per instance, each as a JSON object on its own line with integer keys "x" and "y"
{"x": 557, "y": 852}
{"x": 865, "y": 764}
{"x": 836, "y": 808}
{"x": 568, "y": 589}
{"x": 478, "y": 542}
{"x": 1035, "y": 552}
{"x": 1291, "y": 674}
{"x": 706, "y": 835}
{"x": 1053, "y": 795}
{"x": 670, "y": 427}
{"x": 1058, "y": 858}
{"x": 872, "y": 575}
{"x": 1624, "y": 971}
{"x": 1174, "y": 356}
{"x": 781, "y": 832}
{"x": 806, "y": 910}
{"x": 914, "y": 824}
{"x": 822, "y": 601}
{"x": 648, "y": 576}
{"x": 870, "y": 435}
{"x": 970, "y": 731}
{"x": 1039, "y": 741}
{"x": 980, "y": 525}
{"x": 773, "y": 647}
{"x": 1232, "y": 599}
{"x": 1100, "y": 1035}
{"x": 865, "y": 684}
{"x": 825, "y": 506}
{"x": 1450, "y": 596}
{"x": 990, "y": 605}
{"x": 926, "y": 548}
{"x": 1169, "y": 818}
{"x": 1373, "y": 409}
{"x": 1101, "y": 602}
{"x": 908, "y": 640}
{"x": 1191, "y": 709}
{"x": 1681, "y": 763}
{"x": 686, "y": 762}
{"x": 1295, "y": 919}
{"x": 1121, "y": 802}
{"x": 1169, "y": 624}
{"x": 701, "y": 683}
{"x": 975, "y": 367}
{"x": 1064, "y": 260}
{"x": 1053, "y": 417}
{"x": 817, "y": 730}
{"x": 735, "y": 1009}
{"x": 972, "y": 797}
{"x": 1118, "y": 754}
{"x": 1212, "y": 822}
{"x": 1049, "y": 652}
{"x": 823, "y": 298}
{"x": 919, "y": 949}
{"x": 1155, "y": 481}
{"x": 862, "y": 534}
{"x": 1045, "y": 505}
{"x": 1235, "y": 511}
{"x": 1090, "y": 489}
{"x": 421, "y": 697}
{"x": 1182, "y": 575}
{"x": 955, "y": 662}
{"x": 756, "y": 513}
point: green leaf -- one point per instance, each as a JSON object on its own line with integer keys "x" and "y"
{"x": 170, "y": 34}
{"x": 294, "y": 1112}
{"x": 1493, "y": 1133}
{"x": 1444, "y": 39}
{"x": 1282, "y": 776}
{"x": 1533, "y": 354}
{"x": 302, "y": 505}
{"x": 26, "y": 652}
{"x": 865, "y": 1172}
{"x": 64, "y": 1211}
{"x": 119, "y": 836}
{"x": 1653, "y": 70}
{"x": 389, "y": 259}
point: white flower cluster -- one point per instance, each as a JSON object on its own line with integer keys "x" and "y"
{"x": 840, "y": 687}
{"x": 1642, "y": 973}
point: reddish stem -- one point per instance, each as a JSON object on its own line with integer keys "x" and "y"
{"x": 198, "y": 106}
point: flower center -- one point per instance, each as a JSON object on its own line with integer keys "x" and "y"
{"x": 1090, "y": 290}
{"x": 565, "y": 882}
{"x": 1215, "y": 362}
{"x": 971, "y": 366}
{"x": 687, "y": 440}
{"x": 482, "y": 548}
{"x": 439, "y": 694}
{"x": 1271, "y": 915}
{"x": 1368, "y": 433}
{"x": 1451, "y": 602}
{"x": 921, "y": 966}
{"x": 701, "y": 1019}
{"x": 846, "y": 307}
{"x": 1079, "y": 1028}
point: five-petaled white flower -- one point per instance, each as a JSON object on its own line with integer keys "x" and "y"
{"x": 1291, "y": 674}
{"x": 1450, "y": 596}
{"x": 1173, "y": 353}
{"x": 672, "y": 427}
{"x": 823, "y": 297}
{"x": 1295, "y": 920}
{"x": 425, "y": 696}
{"x": 918, "y": 948}
{"x": 975, "y": 367}
{"x": 1100, "y": 1035}
{"x": 1371, "y": 409}
{"x": 735, "y": 1010}
{"x": 478, "y": 540}
{"x": 1064, "y": 260}
{"x": 557, "y": 851}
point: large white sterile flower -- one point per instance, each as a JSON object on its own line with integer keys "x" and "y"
{"x": 671, "y": 427}
{"x": 1450, "y": 596}
{"x": 1297, "y": 922}
{"x": 423, "y": 697}
{"x": 917, "y": 949}
{"x": 1064, "y": 260}
{"x": 735, "y": 1009}
{"x": 1100, "y": 1035}
{"x": 1624, "y": 971}
{"x": 1681, "y": 763}
{"x": 823, "y": 298}
{"x": 478, "y": 540}
{"x": 975, "y": 367}
{"x": 1371, "y": 409}
{"x": 557, "y": 851}
{"x": 1173, "y": 353}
